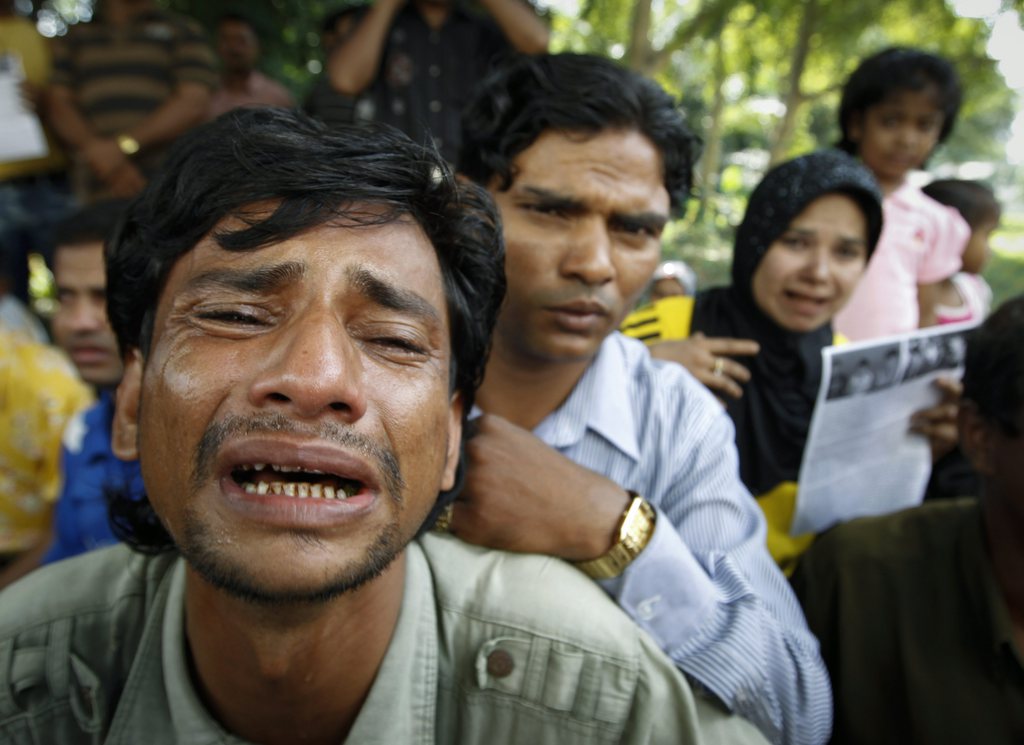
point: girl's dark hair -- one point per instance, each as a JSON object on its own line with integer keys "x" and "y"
{"x": 893, "y": 70}
{"x": 307, "y": 176}
{"x": 577, "y": 94}
{"x": 972, "y": 199}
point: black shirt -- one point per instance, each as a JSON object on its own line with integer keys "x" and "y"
{"x": 427, "y": 75}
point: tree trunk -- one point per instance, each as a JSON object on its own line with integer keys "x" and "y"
{"x": 640, "y": 53}
{"x": 710, "y": 164}
{"x": 794, "y": 93}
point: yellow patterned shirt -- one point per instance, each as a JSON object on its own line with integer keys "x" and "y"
{"x": 39, "y": 392}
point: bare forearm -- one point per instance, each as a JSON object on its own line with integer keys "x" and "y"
{"x": 927, "y": 299}
{"x": 66, "y": 120}
{"x": 520, "y": 24}
{"x": 179, "y": 113}
{"x": 354, "y": 63}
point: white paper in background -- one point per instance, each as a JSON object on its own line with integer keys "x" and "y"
{"x": 860, "y": 457}
{"x": 21, "y": 134}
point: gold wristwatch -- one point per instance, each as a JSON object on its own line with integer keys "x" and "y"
{"x": 635, "y": 532}
{"x": 127, "y": 144}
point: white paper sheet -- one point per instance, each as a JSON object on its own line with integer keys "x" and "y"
{"x": 860, "y": 458}
{"x": 21, "y": 134}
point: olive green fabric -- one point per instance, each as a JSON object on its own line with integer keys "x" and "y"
{"x": 914, "y": 630}
{"x": 489, "y": 648}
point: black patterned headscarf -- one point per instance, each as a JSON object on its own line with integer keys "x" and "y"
{"x": 774, "y": 414}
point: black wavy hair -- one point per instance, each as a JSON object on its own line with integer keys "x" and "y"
{"x": 899, "y": 69}
{"x": 972, "y": 199}
{"x": 360, "y": 175}
{"x": 235, "y": 17}
{"x": 572, "y": 93}
{"x": 994, "y": 367}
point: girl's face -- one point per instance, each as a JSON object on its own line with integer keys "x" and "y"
{"x": 977, "y": 251}
{"x": 809, "y": 272}
{"x": 898, "y": 134}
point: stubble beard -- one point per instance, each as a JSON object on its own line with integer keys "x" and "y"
{"x": 205, "y": 552}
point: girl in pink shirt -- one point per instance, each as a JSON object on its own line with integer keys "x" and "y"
{"x": 897, "y": 107}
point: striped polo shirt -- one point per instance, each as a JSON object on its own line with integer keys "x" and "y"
{"x": 121, "y": 75}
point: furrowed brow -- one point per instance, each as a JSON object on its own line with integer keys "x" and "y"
{"x": 552, "y": 199}
{"x": 652, "y": 221}
{"x": 256, "y": 281}
{"x": 387, "y": 295}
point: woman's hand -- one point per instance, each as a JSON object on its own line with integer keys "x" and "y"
{"x": 938, "y": 422}
{"x": 707, "y": 359}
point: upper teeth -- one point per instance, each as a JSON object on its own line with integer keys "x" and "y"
{"x": 281, "y": 469}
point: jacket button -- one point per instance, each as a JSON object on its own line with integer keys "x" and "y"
{"x": 500, "y": 664}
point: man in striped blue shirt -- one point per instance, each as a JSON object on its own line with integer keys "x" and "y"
{"x": 588, "y": 449}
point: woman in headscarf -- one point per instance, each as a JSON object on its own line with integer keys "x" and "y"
{"x": 805, "y": 240}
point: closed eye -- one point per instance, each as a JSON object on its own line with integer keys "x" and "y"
{"x": 232, "y": 316}
{"x": 400, "y": 344}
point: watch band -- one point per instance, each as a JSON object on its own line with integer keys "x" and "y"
{"x": 635, "y": 532}
{"x": 127, "y": 144}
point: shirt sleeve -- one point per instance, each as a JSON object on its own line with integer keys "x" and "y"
{"x": 708, "y": 592}
{"x": 944, "y": 256}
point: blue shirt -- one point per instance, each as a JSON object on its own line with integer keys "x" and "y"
{"x": 89, "y": 468}
{"x": 705, "y": 587}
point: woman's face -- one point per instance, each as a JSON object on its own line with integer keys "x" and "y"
{"x": 809, "y": 272}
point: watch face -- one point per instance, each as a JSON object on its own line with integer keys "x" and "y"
{"x": 634, "y": 534}
{"x": 127, "y": 145}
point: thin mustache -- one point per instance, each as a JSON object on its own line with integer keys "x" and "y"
{"x": 564, "y": 298}
{"x": 237, "y": 426}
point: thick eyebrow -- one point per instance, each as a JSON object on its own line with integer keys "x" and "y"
{"x": 386, "y": 294}
{"x": 256, "y": 281}
{"x": 844, "y": 238}
{"x": 553, "y": 200}
{"x": 653, "y": 221}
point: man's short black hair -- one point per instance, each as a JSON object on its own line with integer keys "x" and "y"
{"x": 994, "y": 367}
{"x": 571, "y": 93}
{"x": 235, "y": 17}
{"x": 360, "y": 176}
{"x": 972, "y": 199}
{"x": 93, "y": 223}
{"x": 895, "y": 70}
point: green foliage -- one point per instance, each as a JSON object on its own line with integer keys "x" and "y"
{"x": 1005, "y": 269}
{"x": 1005, "y": 274}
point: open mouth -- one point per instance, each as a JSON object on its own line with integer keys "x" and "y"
{"x": 293, "y": 481}
{"x": 806, "y": 299}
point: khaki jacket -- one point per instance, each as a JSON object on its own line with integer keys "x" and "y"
{"x": 489, "y": 648}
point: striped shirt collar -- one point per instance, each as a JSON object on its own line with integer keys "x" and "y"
{"x": 600, "y": 402}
